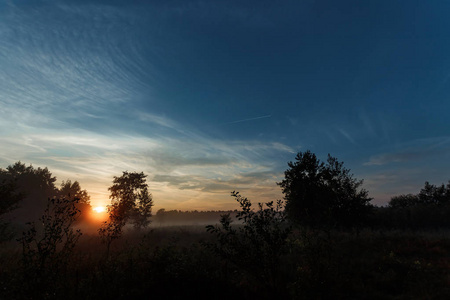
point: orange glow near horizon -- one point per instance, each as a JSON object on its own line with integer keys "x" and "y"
{"x": 99, "y": 209}
{"x": 98, "y": 214}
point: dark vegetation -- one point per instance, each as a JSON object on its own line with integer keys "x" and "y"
{"x": 325, "y": 241}
{"x": 131, "y": 202}
{"x": 322, "y": 194}
{"x": 194, "y": 217}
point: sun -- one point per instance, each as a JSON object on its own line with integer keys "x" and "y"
{"x": 99, "y": 209}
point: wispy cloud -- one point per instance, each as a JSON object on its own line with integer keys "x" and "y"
{"x": 347, "y": 136}
{"x": 386, "y": 158}
{"x": 157, "y": 119}
{"x": 53, "y": 70}
{"x": 412, "y": 151}
{"x": 250, "y": 119}
{"x": 383, "y": 185}
{"x": 405, "y": 168}
{"x": 174, "y": 164}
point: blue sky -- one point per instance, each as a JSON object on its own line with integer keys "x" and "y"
{"x": 206, "y": 97}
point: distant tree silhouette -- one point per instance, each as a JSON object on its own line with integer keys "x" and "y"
{"x": 161, "y": 215}
{"x": 404, "y": 201}
{"x": 434, "y": 195}
{"x": 36, "y": 185}
{"x": 430, "y": 194}
{"x": 131, "y": 200}
{"x": 430, "y": 208}
{"x": 319, "y": 193}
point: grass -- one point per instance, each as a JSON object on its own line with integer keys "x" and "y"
{"x": 174, "y": 262}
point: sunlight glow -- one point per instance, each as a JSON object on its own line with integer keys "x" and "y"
{"x": 99, "y": 209}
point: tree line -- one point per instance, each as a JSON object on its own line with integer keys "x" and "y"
{"x": 192, "y": 217}
{"x": 258, "y": 242}
{"x": 316, "y": 193}
{"x": 326, "y": 194}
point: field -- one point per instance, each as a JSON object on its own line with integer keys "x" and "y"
{"x": 181, "y": 262}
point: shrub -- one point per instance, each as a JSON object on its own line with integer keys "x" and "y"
{"x": 257, "y": 245}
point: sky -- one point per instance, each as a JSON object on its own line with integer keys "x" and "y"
{"x": 207, "y": 97}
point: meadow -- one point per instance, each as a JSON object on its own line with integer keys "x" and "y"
{"x": 351, "y": 250}
{"x": 178, "y": 262}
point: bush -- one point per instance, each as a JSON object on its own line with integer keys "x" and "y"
{"x": 46, "y": 249}
{"x": 256, "y": 246}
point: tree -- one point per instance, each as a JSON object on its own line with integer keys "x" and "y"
{"x": 131, "y": 200}
{"x": 429, "y": 195}
{"x": 434, "y": 195}
{"x": 35, "y": 184}
{"x": 430, "y": 208}
{"x": 30, "y": 178}
{"x": 9, "y": 200}
{"x": 319, "y": 193}
{"x": 73, "y": 191}
{"x": 142, "y": 211}
{"x": 403, "y": 201}
{"x": 130, "y": 196}
{"x": 9, "y": 196}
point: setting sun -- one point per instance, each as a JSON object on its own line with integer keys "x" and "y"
{"x": 99, "y": 209}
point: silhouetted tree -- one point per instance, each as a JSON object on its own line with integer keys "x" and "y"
{"x": 73, "y": 191}
{"x": 131, "y": 200}
{"x": 430, "y": 194}
{"x": 142, "y": 211}
{"x": 404, "y": 201}
{"x": 319, "y": 193}
{"x": 9, "y": 199}
{"x": 9, "y": 196}
{"x": 430, "y": 208}
{"x": 36, "y": 185}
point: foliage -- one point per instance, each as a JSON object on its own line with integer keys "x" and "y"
{"x": 257, "y": 245}
{"x": 430, "y": 208}
{"x": 131, "y": 200}
{"x": 30, "y": 178}
{"x": 171, "y": 263}
{"x": 429, "y": 195}
{"x": 403, "y": 201}
{"x": 46, "y": 249}
{"x": 9, "y": 200}
{"x": 192, "y": 217}
{"x": 34, "y": 184}
{"x": 319, "y": 193}
{"x": 130, "y": 195}
{"x": 112, "y": 229}
{"x": 389, "y": 265}
{"x": 9, "y": 196}
{"x": 72, "y": 190}
{"x": 143, "y": 209}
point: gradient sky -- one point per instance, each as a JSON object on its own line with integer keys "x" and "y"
{"x": 207, "y": 97}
